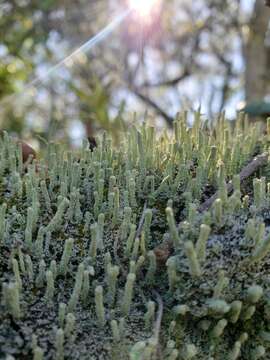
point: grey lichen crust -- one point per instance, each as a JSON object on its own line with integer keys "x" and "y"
{"x": 84, "y": 270}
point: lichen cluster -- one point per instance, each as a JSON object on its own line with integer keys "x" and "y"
{"x": 104, "y": 254}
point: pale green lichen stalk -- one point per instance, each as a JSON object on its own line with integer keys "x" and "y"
{"x": 106, "y": 254}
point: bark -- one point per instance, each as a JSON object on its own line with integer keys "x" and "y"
{"x": 258, "y": 162}
{"x": 165, "y": 249}
{"x": 257, "y": 54}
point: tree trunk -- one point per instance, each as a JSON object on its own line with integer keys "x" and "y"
{"x": 257, "y": 54}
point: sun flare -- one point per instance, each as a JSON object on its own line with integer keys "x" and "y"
{"x": 144, "y": 8}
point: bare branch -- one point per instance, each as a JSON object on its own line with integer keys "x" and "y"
{"x": 169, "y": 119}
{"x": 164, "y": 250}
{"x": 169, "y": 82}
{"x": 251, "y": 168}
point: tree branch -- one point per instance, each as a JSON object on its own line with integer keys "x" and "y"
{"x": 169, "y": 82}
{"x": 169, "y": 119}
{"x": 247, "y": 171}
{"x": 165, "y": 249}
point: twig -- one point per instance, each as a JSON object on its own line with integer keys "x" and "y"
{"x": 141, "y": 222}
{"x": 164, "y": 250}
{"x": 150, "y": 102}
{"x": 137, "y": 235}
{"x": 247, "y": 171}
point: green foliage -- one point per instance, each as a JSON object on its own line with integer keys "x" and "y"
{"x": 106, "y": 253}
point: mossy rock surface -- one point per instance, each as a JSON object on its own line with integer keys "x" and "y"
{"x": 104, "y": 254}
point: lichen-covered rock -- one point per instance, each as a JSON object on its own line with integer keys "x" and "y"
{"x": 104, "y": 254}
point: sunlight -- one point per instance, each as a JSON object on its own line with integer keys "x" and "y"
{"x": 78, "y": 55}
{"x": 144, "y": 8}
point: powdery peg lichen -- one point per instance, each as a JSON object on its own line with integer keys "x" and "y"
{"x": 135, "y": 250}
{"x": 29, "y": 228}
{"x": 39, "y": 243}
{"x": 192, "y": 213}
{"x": 101, "y": 220}
{"x": 173, "y": 355}
{"x": 261, "y": 250}
{"x": 236, "y": 183}
{"x": 99, "y": 302}
{"x": 77, "y": 289}
{"x": 29, "y": 268}
{"x": 260, "y": 233}
{"x": 248, "y": 312}
{"x": 107, "y": 262}
{"x": 258, "y": 192}
{"x": 50, "y": 289}
{"x": 147, "y": 224}
{"x": 194, "y": 266}
{"x": 59, "y": 345}
{"x": 201, "y": 243}
{"x": 152, "y": 267}
{"x": 222, "y": 191}
{"x": 181, "y": 310}
{"x": 112, "y": 184}
{"x": 172, "y": 226}
{"x": 235, "y": 353}
{"x": 16, "y": 271}
{"x": 41, "y": 275}
{"x": 218, "y": 211}
{"x": 232, "y": 262}
{"x": 115, "y": 331}
{"x": 67, "y": 253}
{"x": 126, "y": 223}
{"x": 137, "y": 351}
{"x": 130, "y": 240}
{"x": 21, "y": 260}
{"x": 70, "y": 327}
{"x": 38, "y": 353}
{"x": 235, "y": 311}
{"x": 94, "y": 242}
{"x": 234, "y": 203}
{"x": 139, "y": 264}
{"x": 116, "y": 206}
{"x": 85, "y": 287}
{"x": 128, "y": 293}
{"x": 258, "y": 353}
{"x": 62, "y": 314}
{"x": 132, "y": 193}
{"x": 112, "y": 276}
{"x": 45, "y": 195}
{"x": 57, "y": 220}
{"x": 13, "y": 300}
{"x": 111, "y": 197}
{"x": 172, "y": 273}
{"x": 53, "y": 268}
{"x": 222, "y": 282}
{"x": 189, "y": 352}
{"x": 150, "y": 314}
{"x": 219, "y": 328}
{"x": 254, "y": 294}
{"x": 250, "y": 231}
{"x": 218, "y": 307}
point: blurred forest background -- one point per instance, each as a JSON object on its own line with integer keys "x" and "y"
{"x": 186, "y": 54}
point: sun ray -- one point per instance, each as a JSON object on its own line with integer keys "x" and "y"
{"x": 72, "y": 58}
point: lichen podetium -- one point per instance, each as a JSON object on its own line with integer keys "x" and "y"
{"x": 104, "y": 254}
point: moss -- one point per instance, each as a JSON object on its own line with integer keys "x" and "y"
{"x": 78, "y": 266}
